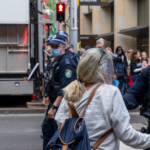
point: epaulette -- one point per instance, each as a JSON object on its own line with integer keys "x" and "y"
{"x": 67, "y": 61}
{"x": 71, "y": 55}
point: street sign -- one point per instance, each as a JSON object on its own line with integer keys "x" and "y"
{"x": 94, "y": 2}
{"x": 60, "y": 12}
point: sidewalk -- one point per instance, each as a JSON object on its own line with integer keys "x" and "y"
{"x": 125, "y": 147}
{"x": 22, "y": 110}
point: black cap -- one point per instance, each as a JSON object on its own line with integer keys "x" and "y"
{"x": 70, "y": 46}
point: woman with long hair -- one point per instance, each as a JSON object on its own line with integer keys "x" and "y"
{"x": 136, "y": 66}
{"x": 106, "y": 110}
{"x": 122, "y": 60}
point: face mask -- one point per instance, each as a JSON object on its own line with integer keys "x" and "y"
{"x": 55, "y": 52}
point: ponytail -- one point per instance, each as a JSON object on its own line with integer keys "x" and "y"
{"x": 74, "y": 91}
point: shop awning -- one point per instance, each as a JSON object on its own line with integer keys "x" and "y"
{"x": 110, "y": 3}
{"x": 88, "y": 40}
{"x": 87, "y": 36}
{"x": 107, "y": 36}
{"x": 141, "y": 31}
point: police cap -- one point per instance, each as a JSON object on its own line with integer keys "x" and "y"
{"x": 57, "y": 39}
{"x": 63, "y": 33}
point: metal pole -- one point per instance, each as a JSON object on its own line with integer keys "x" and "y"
{"x": 73, "y": 31}
{"x": 40, "y": 36}
{"x": 79, "y": 23}
{"x": 57, "y": 23}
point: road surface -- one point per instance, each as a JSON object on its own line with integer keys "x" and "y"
{"x": 22, "y": 131}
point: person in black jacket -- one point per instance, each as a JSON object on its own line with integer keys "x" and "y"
{"x": 123, "y": 61}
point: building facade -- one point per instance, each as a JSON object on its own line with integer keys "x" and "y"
{"x": 122, "y": 23}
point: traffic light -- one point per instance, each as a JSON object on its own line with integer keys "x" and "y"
{"x": 60, "y": 12}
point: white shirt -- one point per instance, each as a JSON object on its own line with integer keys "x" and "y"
{"x": 106, "y": 110}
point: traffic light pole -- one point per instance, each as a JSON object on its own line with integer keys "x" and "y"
{"x": 57, "y": 23}
{"x": 73, "y": 31}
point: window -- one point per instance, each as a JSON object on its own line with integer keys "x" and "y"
{"x": 112, "y": 19}
{"x": 143, "y": 12}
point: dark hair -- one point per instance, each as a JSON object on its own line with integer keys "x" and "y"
{"x": 118, "y": 49}
{"x": 88, "y": 47}
{"x": 133, "y": 57}
{"x": 125, "y": 59}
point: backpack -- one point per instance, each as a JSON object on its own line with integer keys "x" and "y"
{"x": 118, "y": 67}
{"x": 73, "y": 134}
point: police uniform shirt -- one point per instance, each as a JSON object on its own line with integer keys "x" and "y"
{"x": 73, "y": 56}
{"x": 135, "y": 94}
{"x": 64, "y": 73}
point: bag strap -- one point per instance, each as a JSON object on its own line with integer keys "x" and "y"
{"x": 90, "y": 98}
{"x": 72, "y": 110}
{"x": 73, "y": 114}
{"x": 95, "y": 146}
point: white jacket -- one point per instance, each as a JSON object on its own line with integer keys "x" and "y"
{"x": 107, "y": 110}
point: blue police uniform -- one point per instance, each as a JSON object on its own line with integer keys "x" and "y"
{"x": 73, "y": 56}
{"x": 135, "y": 94}
{"x": 60, "y": 76}
{"x": 62, "y": 72}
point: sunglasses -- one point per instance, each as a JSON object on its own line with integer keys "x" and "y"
{"x": 119, "y": 50}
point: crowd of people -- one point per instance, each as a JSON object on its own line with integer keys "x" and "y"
{"x": 89, "y": 76}
{"x": 131, "y": 63}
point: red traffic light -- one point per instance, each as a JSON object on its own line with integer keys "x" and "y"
{"x": 60, "y": 12}
{"x": 60, "y": 7}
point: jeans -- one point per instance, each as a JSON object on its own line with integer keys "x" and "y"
{"x": 124, "y": 86}
{"x": 134, "y": 77}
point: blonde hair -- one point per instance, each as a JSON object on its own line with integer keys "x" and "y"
{"x": 100, "y": 40}
{"x": 90, "y": 70}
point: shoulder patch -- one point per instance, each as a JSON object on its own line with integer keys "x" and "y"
{"x": 71, "y": 55}
{"x": 67, "y": 61}
{"x": 68, "y": 73}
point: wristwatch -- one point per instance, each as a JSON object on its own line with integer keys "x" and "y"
{"x": 54, "y": 107}
{"x": 45, "y": 95}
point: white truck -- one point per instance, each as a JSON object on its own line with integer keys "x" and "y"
{"x": 21, "y": 43}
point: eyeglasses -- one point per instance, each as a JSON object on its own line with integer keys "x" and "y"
{"x": 119, "y": 50}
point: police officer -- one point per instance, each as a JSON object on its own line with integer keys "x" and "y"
{"x": 50, "y": 58}
{"x": 48, "y": 40}
{"x": 135, "y": 94}
{"x": 70, "y": 47}
{"x": 139, "y": 94}
{"x": 48, "y": 125}
{"x": 62, "y": 72}
{"x": 69, "y": 52}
